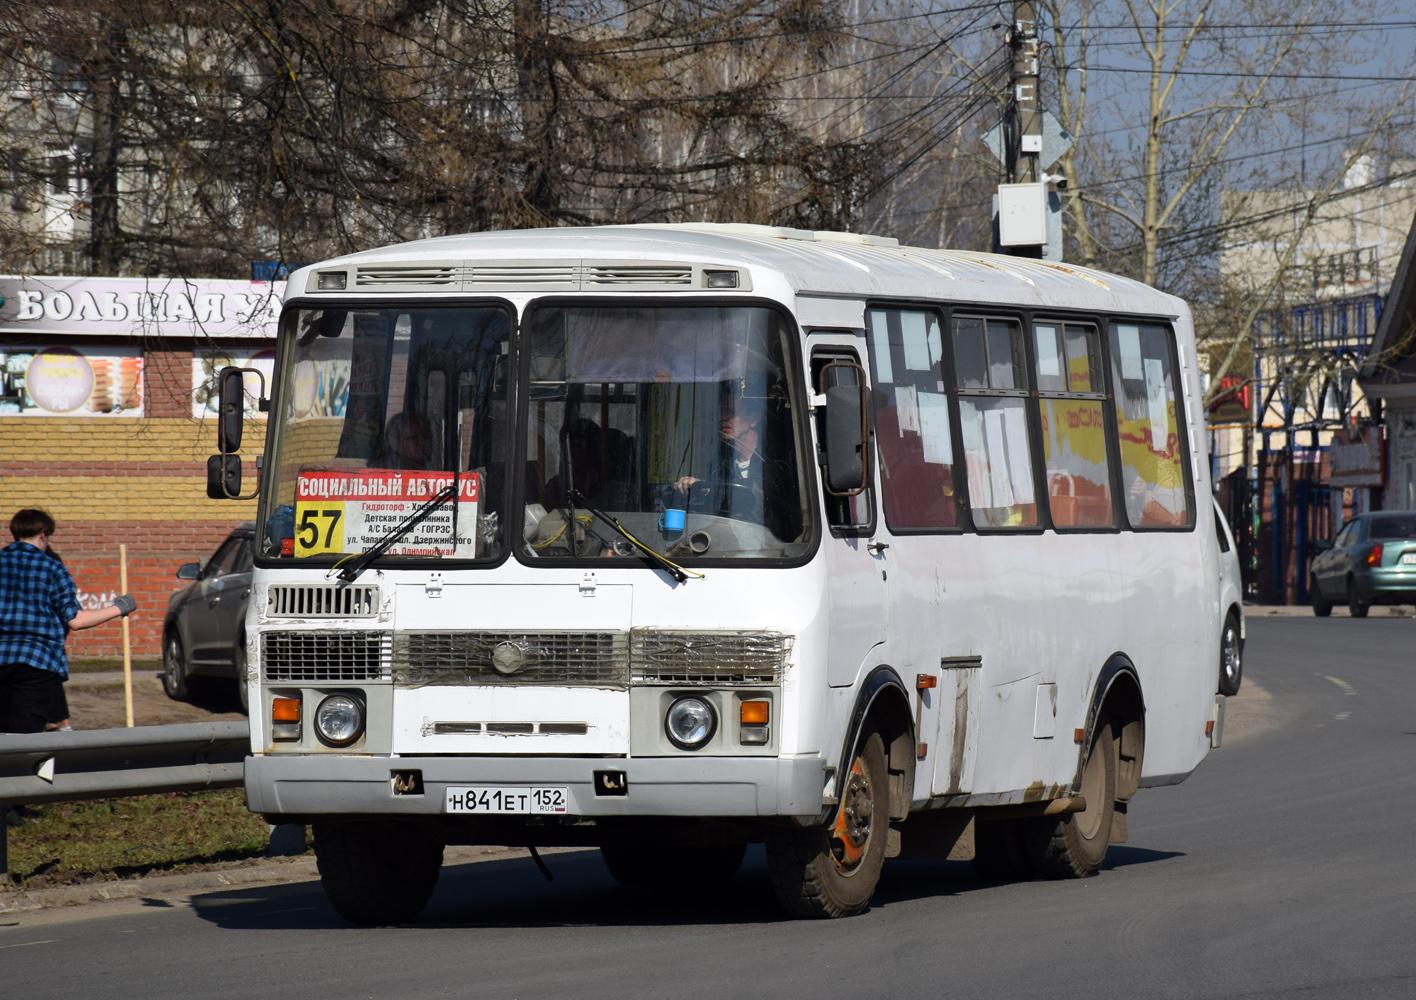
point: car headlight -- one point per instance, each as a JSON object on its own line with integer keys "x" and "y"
{"x": 339, "y": 720}
{"x": 690, "y": 723}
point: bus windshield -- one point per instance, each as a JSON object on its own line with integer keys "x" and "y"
{"x": 677, "y": 422}
{"x": 380, "y": 410}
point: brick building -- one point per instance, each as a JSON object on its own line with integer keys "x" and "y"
{"x": 105, "y": 422}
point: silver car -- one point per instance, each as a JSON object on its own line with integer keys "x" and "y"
{"x": 1231, "y": 605}
{"x": 204, "y": 631}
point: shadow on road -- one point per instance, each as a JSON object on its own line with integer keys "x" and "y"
{"x": 1121, "y": 856}
{"x": 513, "y": 893}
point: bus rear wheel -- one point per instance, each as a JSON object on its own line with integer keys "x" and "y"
{"x": 377, "y": 873}
{"x": 665, "y": 866}
{"x": 833, "y": 871}
{"x": 1074, "y": 845}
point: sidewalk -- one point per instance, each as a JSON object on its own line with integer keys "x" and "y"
{"x": 263, "y": 871}
{"x": 1338, "y": 611}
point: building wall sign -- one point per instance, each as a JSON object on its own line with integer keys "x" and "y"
{"x": 140, "y": 307}
{"x": 1356, "y": 460}
{"x": 207, "y": 365}
{"x": 47, "y": 381}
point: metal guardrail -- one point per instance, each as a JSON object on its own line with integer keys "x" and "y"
{"x": 110, "y": 763}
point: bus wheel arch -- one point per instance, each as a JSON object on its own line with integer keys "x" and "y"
{"x": 831, "y": 869}
{"x": 1118, "y": 700}
{"x": 1109, "y": 761}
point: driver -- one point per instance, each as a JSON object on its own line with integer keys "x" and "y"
{"x": 742, "y": 483}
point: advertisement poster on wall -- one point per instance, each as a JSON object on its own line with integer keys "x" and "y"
{"x": 40, "y": 381}
{"x": 207, "y": 365}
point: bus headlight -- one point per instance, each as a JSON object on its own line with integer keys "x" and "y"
{"x": 339, "y": 720}
{"x": 690, "y": 723}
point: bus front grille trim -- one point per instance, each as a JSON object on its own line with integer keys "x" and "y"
{"x": 321, "y": 601}
{"x": 710, "y": 658}
{"x": 295, "y": 657}
{"x": 574, "y": 659}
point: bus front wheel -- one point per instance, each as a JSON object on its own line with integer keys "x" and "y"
{"x": 377, "y": 873}
{"x": 1074, "y": 845}
{"x": 833, "y": 871}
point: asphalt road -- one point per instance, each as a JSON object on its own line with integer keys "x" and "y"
{"x": 1282, "y": 868}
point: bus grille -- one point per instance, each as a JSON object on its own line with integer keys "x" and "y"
{"x": 573, "y": 659}
{"x": 293, "y": 657}
{"x": 709, "y": 658}
{"x": 321, "y": 601}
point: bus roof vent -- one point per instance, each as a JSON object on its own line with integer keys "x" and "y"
{"x": 636, "y": 274}
{"x": 394, "y": 276}
{"x": 553, "y": 275}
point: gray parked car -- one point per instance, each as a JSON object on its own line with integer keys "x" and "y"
{"x": 1371, "y": 561}
{"x": 204, "y": 631}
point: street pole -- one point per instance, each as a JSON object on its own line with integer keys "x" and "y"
{"x": 1024, "y": 110}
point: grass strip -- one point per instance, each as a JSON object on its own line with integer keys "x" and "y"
{"x": 66, "y": 843}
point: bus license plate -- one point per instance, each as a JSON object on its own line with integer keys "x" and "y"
{"x": 496, "y": 800}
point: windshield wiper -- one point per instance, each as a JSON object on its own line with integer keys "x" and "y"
{"x": 420, "y": 513}
{"x": 644, "y": 552}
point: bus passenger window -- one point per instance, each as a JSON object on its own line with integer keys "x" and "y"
{"x": 912, "y": 424}
{"x": 1153, "y": 474}
{"x": 993, "y": 421}
{"x": 1073, "y": 426}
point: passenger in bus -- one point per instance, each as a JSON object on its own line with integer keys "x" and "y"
{"x": 743, "y": 482}
{"x": 597, "y": 462}
{"x": 407, "y": 441}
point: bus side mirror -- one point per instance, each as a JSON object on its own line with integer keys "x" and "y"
{"x": 231, "y": 409}
{"x": 224, "y": 470}
{"x": 845, "y": 439}
{"x": 224, "y": 477}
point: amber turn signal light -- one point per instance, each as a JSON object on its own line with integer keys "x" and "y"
{"x": 755, "y": 713}
{"x": 285, "y": 710}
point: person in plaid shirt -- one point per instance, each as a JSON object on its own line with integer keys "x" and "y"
{"x": 38, "y": 607}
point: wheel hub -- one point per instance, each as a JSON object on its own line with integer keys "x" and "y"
{"x": 853, "y": 823}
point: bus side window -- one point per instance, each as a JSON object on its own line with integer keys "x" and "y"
{"x": 914, "y": 437}
{"x": 1070, "y": 390}
{"x": 993, "y": 421}
{"x": 1154, "y": 476}
{"x": 850, "y": 515}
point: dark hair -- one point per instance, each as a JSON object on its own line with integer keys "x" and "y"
{"x": 30, "y": 522}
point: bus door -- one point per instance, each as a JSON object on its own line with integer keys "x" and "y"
{"x": 856, "y": 562}
{"x": 932, "y": 588}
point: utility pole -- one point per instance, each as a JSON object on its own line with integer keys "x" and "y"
{"x": 1024, "y": 116}
{"x": 1027, "y": 141}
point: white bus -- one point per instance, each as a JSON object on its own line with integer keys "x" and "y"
{"x": 670, "y": 539}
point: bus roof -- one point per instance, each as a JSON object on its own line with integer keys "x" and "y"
{"x": 808, "y": 263}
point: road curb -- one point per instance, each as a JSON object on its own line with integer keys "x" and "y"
{"x": 266, "y": 871}
{"x": 271, "y": 870}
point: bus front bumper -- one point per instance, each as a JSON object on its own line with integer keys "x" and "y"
{"x": 336, "y": 785}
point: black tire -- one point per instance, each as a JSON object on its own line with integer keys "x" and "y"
{"x": 833, "y": 871}
{"x": 1356, "y": 607}
{"x": 376, "y": 873}
{"x": 1231, "y": 657}
{"x": 1322, "y": 607}
{"x": 174, "y": 668}
{"x": 999, "y": 855}
{"x": 664, "y": 867}
{"x": 1074, "y": 846}
{"x": 243, "y": 691}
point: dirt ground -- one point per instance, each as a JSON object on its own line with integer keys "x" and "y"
{"x": 96, "y": 699}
